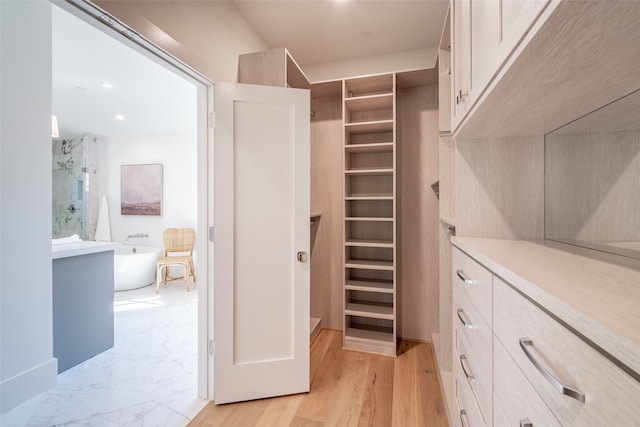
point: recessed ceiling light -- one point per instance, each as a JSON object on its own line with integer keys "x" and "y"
{"x": 106, "y": 84}
{"x": 119, "y": 117}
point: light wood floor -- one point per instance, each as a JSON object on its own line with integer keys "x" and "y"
{"x": 348, "y": 388}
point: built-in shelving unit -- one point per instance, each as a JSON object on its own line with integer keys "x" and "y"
{"x": 370, "y": 261}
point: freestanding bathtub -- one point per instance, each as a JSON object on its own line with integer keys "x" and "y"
{"x": 134, "y": 266}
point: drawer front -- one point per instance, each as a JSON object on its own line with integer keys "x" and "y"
{"x": 478, "y": 376}
{"x": 468, "y": 411}
{"x": 611, "y": 397}
{"x": 515, "y": 400}
{"x": 479, "y": 337}
{"x": 475, "y": 280}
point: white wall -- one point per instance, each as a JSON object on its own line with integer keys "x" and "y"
{"x": 27, "y": 366}
{"x": 177, "y": 151}
{"x": 207, "y": 35}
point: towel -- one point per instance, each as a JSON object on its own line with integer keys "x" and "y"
{"x": 66, "y": 240}
{"x": 103, "y": 227}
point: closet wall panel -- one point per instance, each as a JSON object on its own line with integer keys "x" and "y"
{"x": 326, "y": 199}
{"x": 418, "y": 138}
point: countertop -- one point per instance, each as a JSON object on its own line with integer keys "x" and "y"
{"x": 82, "y": 248}
{"x": 595, "y": 294}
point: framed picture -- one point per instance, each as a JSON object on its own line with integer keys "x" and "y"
{"x": 141, "y": 189}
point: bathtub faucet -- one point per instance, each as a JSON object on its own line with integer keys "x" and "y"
{"x": 130, "y": 236}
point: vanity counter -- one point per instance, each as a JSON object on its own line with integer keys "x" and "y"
{"x": 597, "y": 295}
{"x": 82, "y": 248}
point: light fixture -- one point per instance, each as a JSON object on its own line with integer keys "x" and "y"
{"x": 54, "y": 127}
{"x": 106, "y": 84}
{"x": 119, "y": 117}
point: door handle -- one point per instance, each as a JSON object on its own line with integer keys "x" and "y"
{"x": 302, "y": 256}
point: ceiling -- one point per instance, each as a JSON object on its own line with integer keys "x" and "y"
{"x": 151, "y": 98}
{"x": 155, "y": 100}
{"x": 317, "y": 31}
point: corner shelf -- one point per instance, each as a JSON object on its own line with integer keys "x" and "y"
{"x": 370, "y": 285}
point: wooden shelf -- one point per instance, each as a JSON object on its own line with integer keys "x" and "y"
{"x": 385, "y": 287}
{"x": 371, "y": 85}
{"x": 373, "y": 311}
{"x": 369, "y": 243}
{"x": 372, "y": 171}
{"x": 369, "y": 218}
{"x": 369, "y": 335}
{"x": 369, "y": 196}
{"x": 370, "y": 103}
{"x": 380, "y": 147}
{"x": 370, "y": 264}
{"x": 370, "y": 167}
{"x": 369, "y": 127}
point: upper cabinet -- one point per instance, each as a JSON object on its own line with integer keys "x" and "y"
{"x": 485, "y": 33}
{"x": 528, "y": 67}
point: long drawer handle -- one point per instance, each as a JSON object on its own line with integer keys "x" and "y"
{"x": 463, "y": 418}
{"x": 525, "y": 343}
{"x": 467, "y": 371}
{"x": 526, "y": 422}
{"x": 464, "y": 320}
{"x": 464, "y": 278}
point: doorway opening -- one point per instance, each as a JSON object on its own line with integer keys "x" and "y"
{"x": 158, "y": 367}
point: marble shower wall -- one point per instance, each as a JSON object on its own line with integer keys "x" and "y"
{"x": 75, "y": 187}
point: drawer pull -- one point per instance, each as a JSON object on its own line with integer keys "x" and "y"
{"x": 563, "y": 389}
{"x": 463, "y": 277}
{"x": 463, "y": 319}
{"x": 463, "y": 418}
{"x": 467, "y": 371}
{"x": 526, "y": 422}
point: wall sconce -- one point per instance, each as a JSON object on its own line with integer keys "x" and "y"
{"x": 54, "y": 127}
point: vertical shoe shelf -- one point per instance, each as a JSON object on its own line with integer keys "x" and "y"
{"x": 369, "y": 117}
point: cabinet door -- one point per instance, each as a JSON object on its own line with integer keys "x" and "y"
{"x": 516, "y": 17}
{"x": 461, "y": 58}
{"x": 485, "y": 37}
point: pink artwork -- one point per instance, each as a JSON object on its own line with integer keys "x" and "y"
{"x": 141, "y": 189}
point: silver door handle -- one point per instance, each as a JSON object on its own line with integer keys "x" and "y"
{"x": 464, "y": 278}
{"x": 302, "y": 256}
{"x": 526, "y": 422}
{"x": 463, "y": 418}
{"x": 467, "y": 371}
{"x": 464, "y": 320}
{"x": 525, "y": 343}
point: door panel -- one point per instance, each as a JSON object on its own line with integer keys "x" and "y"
{"x": 262, "y": 221}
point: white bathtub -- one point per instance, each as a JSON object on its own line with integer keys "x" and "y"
{"x": 134, "y": 266}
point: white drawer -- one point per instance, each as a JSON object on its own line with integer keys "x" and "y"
{"x": 611, "y": 397}
{"x": 478, "y": 343}
{"x": 515, "y": 400}
{"x": 468, "y": 414}
{"x": 475, "y": 280}
{"x": 478, "y": 376}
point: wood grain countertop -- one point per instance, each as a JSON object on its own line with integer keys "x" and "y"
{"x": 597, "y": 295}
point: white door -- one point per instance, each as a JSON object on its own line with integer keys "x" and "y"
{"x": 261, "y": 214}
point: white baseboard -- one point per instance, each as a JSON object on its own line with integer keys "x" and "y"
{"x": 28, "y": 384}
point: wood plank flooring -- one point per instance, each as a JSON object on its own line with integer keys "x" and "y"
{"x": 348, "y": 388}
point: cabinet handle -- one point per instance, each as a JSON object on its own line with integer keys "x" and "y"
{"x": 463, "y": 418}
{"x": 467, "y": 371}
{"x": 526, "y": 422}
{"x": 464, "y": 278}
{"x": 463, "y": 319}
{"x": 525, "y": 343}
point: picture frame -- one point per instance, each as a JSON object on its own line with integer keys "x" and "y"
{"x": 141, "y": 189}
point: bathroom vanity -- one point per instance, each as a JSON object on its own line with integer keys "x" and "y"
{"x": 82, "y": 301}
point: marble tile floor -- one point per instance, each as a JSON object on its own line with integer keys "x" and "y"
{"x": 149, "y": 377}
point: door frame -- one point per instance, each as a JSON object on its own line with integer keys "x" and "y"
{"x": 105, "y": 22}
